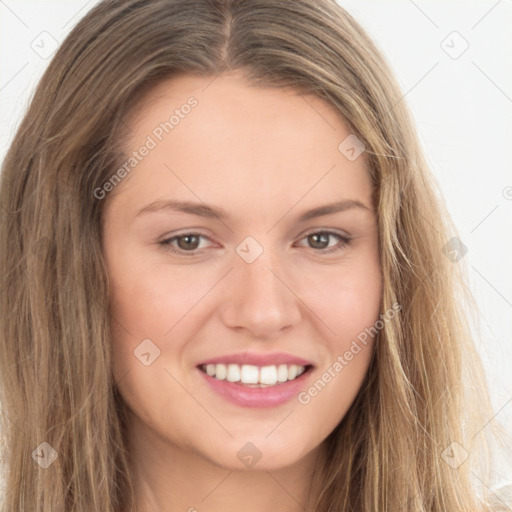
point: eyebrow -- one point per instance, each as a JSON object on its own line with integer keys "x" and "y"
{"x": 204, "y": 210}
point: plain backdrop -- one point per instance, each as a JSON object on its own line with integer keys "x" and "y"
{"x": 452, "y": 59}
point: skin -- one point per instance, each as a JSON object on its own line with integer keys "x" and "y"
{"x": 265, "y": 156}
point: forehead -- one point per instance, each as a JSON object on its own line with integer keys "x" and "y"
{"x": 224, "y": 139}
{"x": 227, "y": 102}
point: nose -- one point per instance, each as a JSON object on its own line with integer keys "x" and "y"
{"x": 260, "y": 298}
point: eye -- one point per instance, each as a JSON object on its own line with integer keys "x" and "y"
{"x": 188, "y": 243}
{"x": 320, "y": 240}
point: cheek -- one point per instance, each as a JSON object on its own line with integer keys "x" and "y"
{"x": 150, "y": 302}
{"x": 156, "y": 302}
{"x": 149, "y": 299}
{"x": 346, "y": 298}
{"x": 348, "y": 309}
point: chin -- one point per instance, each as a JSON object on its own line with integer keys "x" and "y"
{"x": 257, "y": 453}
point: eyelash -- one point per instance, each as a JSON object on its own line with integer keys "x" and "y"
{"x": 343, "y": 241}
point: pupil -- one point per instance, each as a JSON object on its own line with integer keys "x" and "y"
{"x": 188, "y": 238}
{"x": 315, "y": 239}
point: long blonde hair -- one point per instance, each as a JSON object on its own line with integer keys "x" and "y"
{"x": 424, "y": 390}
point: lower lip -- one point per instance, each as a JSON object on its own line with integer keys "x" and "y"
{"x": 246, "y": 396}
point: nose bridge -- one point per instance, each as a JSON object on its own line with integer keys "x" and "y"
{"x": 260, "y": 300}
{"x": 260, "y": 279}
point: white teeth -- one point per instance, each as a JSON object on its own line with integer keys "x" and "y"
{"x": 251, "y": 375}
{"x": 233, "y": 374}
{"x": 220, "y": 371}
{"x": 282, "y": 373}
{"x": 268, "y": 375}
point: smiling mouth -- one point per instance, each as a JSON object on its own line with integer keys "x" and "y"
{"x": 255, "y": 376}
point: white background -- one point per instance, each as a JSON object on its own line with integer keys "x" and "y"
{"x": 462, "y": 107}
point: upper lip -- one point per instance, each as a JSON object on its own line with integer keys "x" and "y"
{"x": 258, "y": 359}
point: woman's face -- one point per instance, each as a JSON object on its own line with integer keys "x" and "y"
{"x": 219, "y": 252}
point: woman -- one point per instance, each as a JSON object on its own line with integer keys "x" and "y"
{"x": 228, "y": 280}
